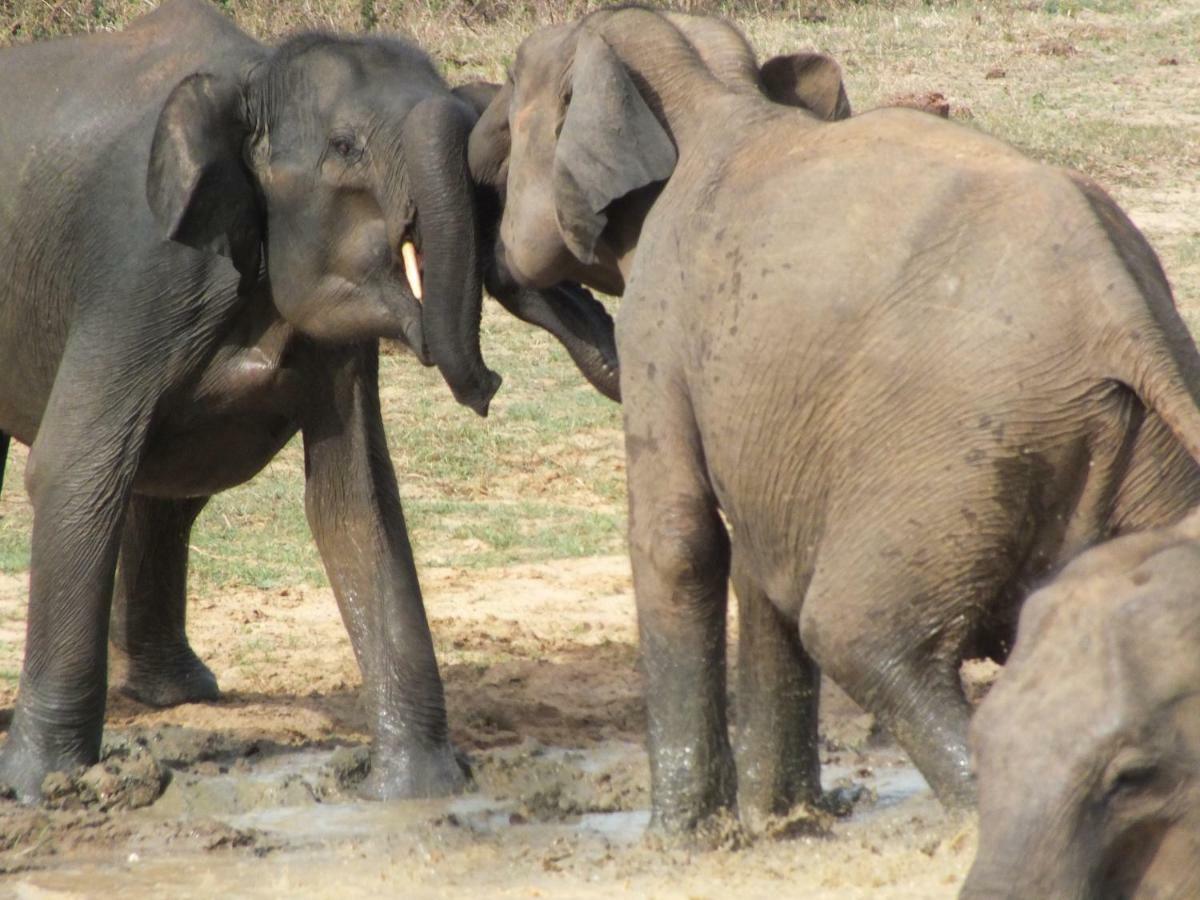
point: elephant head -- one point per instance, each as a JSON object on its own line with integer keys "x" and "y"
{"x": 339, "y": 164}
{"x": 571, "y": 314}
{"x": 577, "y": 147}
{"x": 1088, "y": 748}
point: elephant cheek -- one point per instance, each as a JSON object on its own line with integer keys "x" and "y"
{"x": 533, "y": 257}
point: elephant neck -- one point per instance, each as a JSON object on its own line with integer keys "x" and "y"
{"x": 669, "y": 73}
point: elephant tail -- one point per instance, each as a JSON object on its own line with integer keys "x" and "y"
{"x": 1155, "y": 355}
{"x": 3, "y": 456}
{"x": 1171, "y": 387}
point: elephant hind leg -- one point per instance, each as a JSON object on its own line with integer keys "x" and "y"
{"x": 778, "y": 687}
{"x": 679, "y": 551}
{"x": 152, "y": 659}
{"x": 894, "y": 642}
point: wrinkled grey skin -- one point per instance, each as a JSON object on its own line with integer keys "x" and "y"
{"x": 914, "y": 369}
{"x": 200, "y": 252}
{"x": 1088, "y": 747}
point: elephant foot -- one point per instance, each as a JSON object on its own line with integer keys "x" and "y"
{"x": 167, "y": 679}
{"x": 720, "y": 830}
{"x": 697, "y": 814}
{"x": 812, "y": 814}
{"x": 407, "y": 773}
{"x": 25, "y": 763}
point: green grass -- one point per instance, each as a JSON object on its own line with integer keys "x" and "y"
{"x": 541, "y": 478}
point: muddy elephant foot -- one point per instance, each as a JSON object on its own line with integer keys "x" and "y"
{"x": 407, "y": 773}
{"x": 166, "y": 679}
{"x": 25, "y": 761}
{"x": 722, "y": 830}
{"x": 690, "y": 802}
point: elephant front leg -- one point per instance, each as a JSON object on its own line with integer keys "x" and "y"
{"x": 79, "y": 475}
{"x": 153, "y": 661}
{"x": 354, "y": 511}
{"x": 778, "y": 689}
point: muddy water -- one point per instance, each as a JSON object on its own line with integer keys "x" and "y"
{"x": 543, "y": 691}
{"x": 255, "y": 821}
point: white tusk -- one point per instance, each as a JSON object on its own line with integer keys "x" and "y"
{"x": 412, "y": 269}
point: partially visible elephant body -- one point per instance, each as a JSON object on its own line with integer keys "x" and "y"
{"x": 911, "y": 367}
{"x": 204, "y": 238}
{"x": 913, "y": 390}
{"x": 147, "y": 374}
{"x": 1088, "y": 747}
{"x": 73, "y": 158}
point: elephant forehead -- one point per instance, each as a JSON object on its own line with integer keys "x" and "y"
{"x": 544, "y": 56}
{"x": 324, "y": 75}
{"x": 1061, "y": 677}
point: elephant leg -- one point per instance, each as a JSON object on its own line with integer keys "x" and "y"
{"x": 3, "y": 456}
{"x": 353, "y": 508}
{"x": 893, "y": 641}
{"x": 156, "y": 664}
{"x": 679, "y": 551}
{"x": 79, "y": 477}
{"x": 778, "y": 688}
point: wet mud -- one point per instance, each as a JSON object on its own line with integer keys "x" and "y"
{"x": 255, "y": 794}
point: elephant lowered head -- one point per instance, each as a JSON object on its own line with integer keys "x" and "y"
{"x": 577, "y": 115}
{"x": 568, "y": 311}
{"x": 1088, "y": 747}
{"x": 340, "y": 166}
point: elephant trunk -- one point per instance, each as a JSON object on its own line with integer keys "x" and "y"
{"x": 434, "y": 144}
{"x": 577, "y": 319}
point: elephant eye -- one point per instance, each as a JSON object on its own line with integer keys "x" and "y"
{"x": 562, "y": 113}
{"x": 1130, "y": 777}
{"x": 345, "y": 146}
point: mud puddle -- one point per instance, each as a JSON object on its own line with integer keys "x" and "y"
{"x": 252, "y": 820}
{"x": 254, "y": 795}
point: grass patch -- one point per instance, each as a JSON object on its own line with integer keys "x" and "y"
{"x": 541, "y": 478}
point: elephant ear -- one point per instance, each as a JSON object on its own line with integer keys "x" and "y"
{"x": 197, "y": 182}
{"x": 610, "y": 144}
{"x": 812, "y": 81}
{"x": 476, "y": 94}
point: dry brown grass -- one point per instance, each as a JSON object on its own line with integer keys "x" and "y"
{"x": 23, "y": 20}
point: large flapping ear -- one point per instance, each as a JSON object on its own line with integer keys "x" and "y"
{"x": 812, "y": 81}
{"x": 197, "y": 182}
{"x": 610, "y": 144}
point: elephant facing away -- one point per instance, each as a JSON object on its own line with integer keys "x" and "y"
{"x": 914, "y": 369}
{"x": 1088, "y": 747}
{"x": 204, "y": 239}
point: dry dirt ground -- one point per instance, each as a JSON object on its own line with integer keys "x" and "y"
{"x": 539, "y": 662}
{"x": 539, "y": 657}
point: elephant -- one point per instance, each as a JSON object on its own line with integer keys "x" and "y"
{"x": 1088, "y": 746}
{"x": 205, "y": 239}
{"x": 884, "y": 371}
